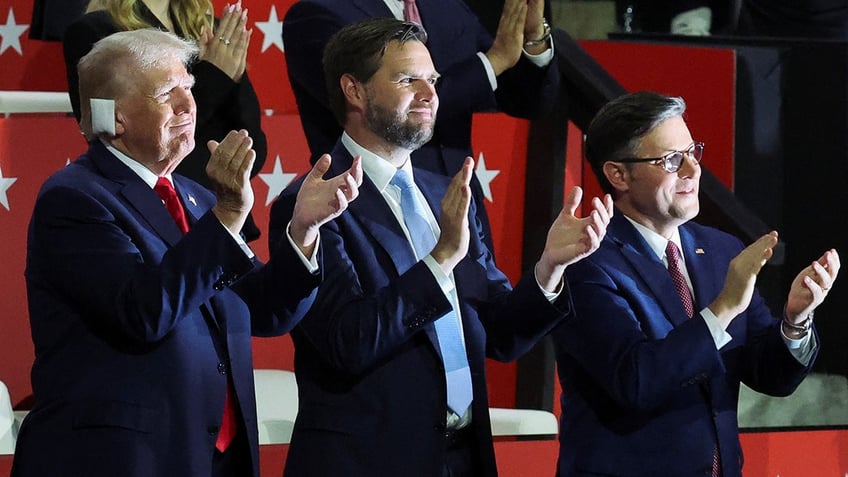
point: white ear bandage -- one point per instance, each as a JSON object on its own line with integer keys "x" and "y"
{"x": 103, "y": 116}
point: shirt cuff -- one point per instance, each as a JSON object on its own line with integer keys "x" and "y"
{"x": 720, "y": 336}
{"x": 550, "y": 296}
{"x": 542, "y": 59}
{"x": 802, "y": 349}
{"x": 444, "y": 281}
{"x": 240, "y": 241}
{"x": 310, "y": 263}
{"x": 490, "y": 72}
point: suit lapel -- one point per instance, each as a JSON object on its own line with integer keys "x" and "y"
{"x": 699, "y": 264}
{"x": 193, "y": 208}
{"x": 138, "y": 194}
{"x": 647, "y": 266}
{"x": 371, "y": 210}
{"x": 375, "y": 216}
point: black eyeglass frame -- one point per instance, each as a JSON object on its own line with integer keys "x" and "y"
{"x": 695, "y": 151}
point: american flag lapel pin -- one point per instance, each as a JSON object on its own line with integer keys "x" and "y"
{"x": 194, "y": 203}
{"x": 699, "y": 251}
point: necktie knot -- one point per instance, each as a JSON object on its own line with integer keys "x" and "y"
{"x": 675, "y": 269}
{"x": 165, "y": 190}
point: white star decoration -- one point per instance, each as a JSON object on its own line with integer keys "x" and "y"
{"x": 5, "y": 183}
{"x": 10, "y": 33}
{"x": 272, "y": 31}
{"x": 485, "y": 176}
{"x": 276, "y": 180}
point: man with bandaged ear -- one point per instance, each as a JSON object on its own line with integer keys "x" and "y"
{"x": 142, "y": 295}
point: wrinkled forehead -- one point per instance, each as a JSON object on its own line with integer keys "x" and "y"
{"x": 409, "y": 56}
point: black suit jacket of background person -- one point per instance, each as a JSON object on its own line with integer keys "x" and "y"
{"x": 50, "y": 18}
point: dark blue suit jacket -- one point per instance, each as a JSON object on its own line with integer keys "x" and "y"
{"x": 644, "y": 390}
{"x": 455, "y": 37}
{"x": 137, "y": 327}
{"x": 370, "y": 378}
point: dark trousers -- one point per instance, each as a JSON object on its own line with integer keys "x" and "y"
{"x": 461, "y": 459}
{"x": 235, "y": 461}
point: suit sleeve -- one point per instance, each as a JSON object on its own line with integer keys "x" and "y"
{"x": 358, "y": 319}
{"x": 135, "y": 289}
{"x": 618, "y": 341}
{"x": 610, "y": 341}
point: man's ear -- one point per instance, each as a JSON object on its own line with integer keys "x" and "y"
{"x": 616, "y": 173}
{"x": 120, "y": 127}
{"x": 353, "y": 90}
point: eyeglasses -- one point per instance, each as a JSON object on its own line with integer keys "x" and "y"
{"x": 672, "y": 161}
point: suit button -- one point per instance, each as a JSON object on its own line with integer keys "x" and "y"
{"x": 212, "y": 430}
{"x": 222, "y": 368}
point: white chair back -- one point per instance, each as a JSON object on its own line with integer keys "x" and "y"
{"x": 276, "y": 404}
{"x": 8, "y": 429}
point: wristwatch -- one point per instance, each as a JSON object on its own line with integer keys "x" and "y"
{"x": 546, "y": 36}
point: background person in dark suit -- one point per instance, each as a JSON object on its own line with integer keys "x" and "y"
{"x": 374, "y": 375}
{"x": 225, "y": 97}
{"x": 820, "y": 19}
{"x": 644, "y": 379}
{"x": 479, "y": 73}
{"x": 50, "y": 18}
{"x": 142, "y": 329}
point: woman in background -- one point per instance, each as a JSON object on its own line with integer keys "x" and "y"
{"x": 224, "y": 95}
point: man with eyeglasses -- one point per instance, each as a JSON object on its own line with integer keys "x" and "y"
{"x": 669, "y": 321}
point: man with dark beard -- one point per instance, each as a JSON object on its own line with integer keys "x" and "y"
{"x": 390, "y": 360}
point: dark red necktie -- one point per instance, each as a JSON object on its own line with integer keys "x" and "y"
{"x": 165, "y": 190}
{"x": 675, "y": 269}
{"x": 410, "y": 12}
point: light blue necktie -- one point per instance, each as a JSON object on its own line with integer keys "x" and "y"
{"x": 457, "y": 372}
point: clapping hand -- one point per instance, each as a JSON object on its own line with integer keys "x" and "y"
{"x": 571, "y": 238}
{"x": 320, "y": 201}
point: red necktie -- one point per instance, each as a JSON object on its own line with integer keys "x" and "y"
{"x": 166, "y": 192}
{"x": 675, "y": 269}
{"x": 410, "y": 12}
{"x": 228, "y": 423}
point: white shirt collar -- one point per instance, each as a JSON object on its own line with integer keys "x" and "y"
{"x": 656, "y": 241}
{"x": 375, "y": 167}
{"x": 143, "y": 172}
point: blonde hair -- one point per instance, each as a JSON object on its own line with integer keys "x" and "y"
{"x": 189, "y": 15}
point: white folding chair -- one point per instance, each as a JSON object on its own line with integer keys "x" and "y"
{"x": 8, "y": 428}
{"x": 276, "y": 404}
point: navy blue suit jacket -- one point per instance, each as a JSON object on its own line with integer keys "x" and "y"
{"x": 644, "y": 390}
{"x": 370, "y": 378}
{"x": 455, "y": 37}
{"x": 137, "y": 327}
